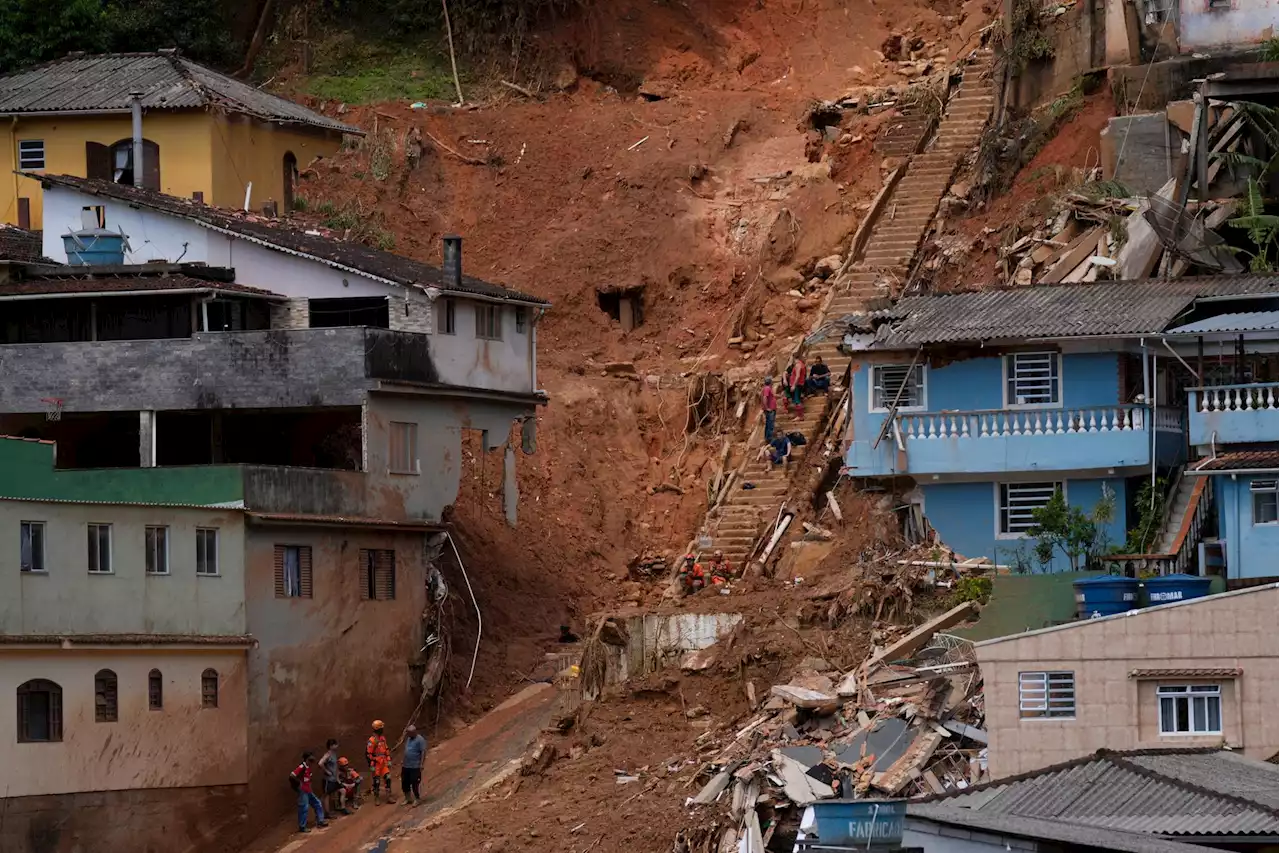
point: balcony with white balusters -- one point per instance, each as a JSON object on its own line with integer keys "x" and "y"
{"x": 1234, "y": 414}
{"x": 999, "y": 441}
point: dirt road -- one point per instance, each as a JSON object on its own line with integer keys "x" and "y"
{"x": 457, "y": 770}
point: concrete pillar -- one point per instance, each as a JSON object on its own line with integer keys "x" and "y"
{"x": 1121, "y": 45}
{"x": 510, "y": 493}
{"x": 147, "y": 439}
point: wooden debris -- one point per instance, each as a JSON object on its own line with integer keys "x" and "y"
{"x": 802, "y": 697}
{"x": 521, "y": 89}
{"x": 918, "y": 638}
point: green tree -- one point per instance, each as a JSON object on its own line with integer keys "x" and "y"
{"x": 34, "y": 31}
{"x": 1080, "y": 536}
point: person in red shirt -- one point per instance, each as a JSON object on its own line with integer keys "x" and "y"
{"x": 300, "y": 779}
{"x": 797, "y": 377}
{"x": 769, "y": 402}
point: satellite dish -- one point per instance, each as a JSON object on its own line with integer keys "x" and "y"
{"x": 1185, "y": 236}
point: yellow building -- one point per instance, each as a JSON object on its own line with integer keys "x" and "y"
{"x": 205, "y": 135}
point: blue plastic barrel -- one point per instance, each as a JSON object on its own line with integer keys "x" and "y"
{"x": 94, "y": 246}
{"x": 1170, "y": 588}
{"x": 1106, "y": 595}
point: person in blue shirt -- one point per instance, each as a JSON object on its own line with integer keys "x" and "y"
{"x": 415, "y": 753}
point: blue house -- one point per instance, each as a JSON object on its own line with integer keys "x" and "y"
{"x": 980, "y": 406}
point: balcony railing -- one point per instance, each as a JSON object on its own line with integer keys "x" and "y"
{"x": 1004, "y": 423}
{"x": 1238, "y": 398}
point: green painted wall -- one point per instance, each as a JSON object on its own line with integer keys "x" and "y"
{"x": 27, "y": 472}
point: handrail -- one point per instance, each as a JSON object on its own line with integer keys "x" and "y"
{"x": 1262, "y": 384}
{"x": 1197, "y": 513}
{"x": 1027, "y": 409}
{"x": 1000, "y": 423}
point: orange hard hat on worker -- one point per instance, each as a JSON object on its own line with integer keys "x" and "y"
{"x": 342, "y": 762}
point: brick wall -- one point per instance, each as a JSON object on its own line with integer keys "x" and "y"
{"x": 291, "y": 314}
{"x": 273, "y": 369}
{"x": 196, "y": 820}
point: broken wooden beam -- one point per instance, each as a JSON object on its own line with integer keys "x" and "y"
{"x": 920, "y": 637}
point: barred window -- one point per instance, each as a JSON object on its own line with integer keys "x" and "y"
{"x": 106, "y": 708}
{"x": 1046, "y": 694}
{"x": 1017, "y": 503}
{"x": 887, "y": 379}
{"x": 1033, "y": 379}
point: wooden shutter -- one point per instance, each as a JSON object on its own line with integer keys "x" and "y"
{"x": 385, "y": 574}
{"x": 97, "y": 161}
{"x": 367, "y": 572}
{"x": 279, "y": 567}
{"x": 24, "y": 213}
{"x": 304, "y": 571}
{"x": 150, "y": 165}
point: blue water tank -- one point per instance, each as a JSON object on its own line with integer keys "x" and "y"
{"x": 93, "y": 247}
{"x": 1106, "y": 595}
{"x": 1170, "y": 588}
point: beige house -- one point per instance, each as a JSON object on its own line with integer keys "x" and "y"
{"x": 1201, "y": 672}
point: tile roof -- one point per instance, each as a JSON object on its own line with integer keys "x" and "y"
{"x": 1184, "y": 792}
{"x": 128, "y": 639}
{"x": 18, "y": 244}
{"x": 1074, "y": 834}
{"x": 1239, "y": 321}
{"x": 1188, "y": 672}
{"x": 312, "y": 243}
{"x": 1240, "y": 460}
{"x": 1056, "y": 311}
{"x": 124, "y": 284}
{"x": 166, "y": 81}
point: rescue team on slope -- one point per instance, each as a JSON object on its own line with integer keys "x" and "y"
{"x": 341, "y": 783}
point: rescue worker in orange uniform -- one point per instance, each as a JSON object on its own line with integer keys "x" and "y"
{"x": 379, "y": 756}
{"x": 720, "y": 571}
{"x": 691, "y": 576}
{"x": 349, "y": 779}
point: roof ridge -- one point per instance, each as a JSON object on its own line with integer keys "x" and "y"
{"x": 1122, "y": 761}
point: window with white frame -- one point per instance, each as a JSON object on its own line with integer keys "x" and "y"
{"x": 1017, "y": 503}
{"x": 206, "y": 550}
{"x": 1033, "y": 379}
{"x": 1046, "y": 694}
{"x": 1264, "y": 501}
{"x": 99, "y": 549}
{"x": 30, "y": 153}
{"x": 31, "y": 546}
{"x": 887, "y": 379}
{"x": 156, "y": 544}
{"x": 1190, "y": 709}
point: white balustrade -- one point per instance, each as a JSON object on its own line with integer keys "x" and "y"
{"x": 1002, "y": 423}
{"x": 1239, "y": 398}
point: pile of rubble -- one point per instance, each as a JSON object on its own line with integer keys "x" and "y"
{"x": 907, "y": 722}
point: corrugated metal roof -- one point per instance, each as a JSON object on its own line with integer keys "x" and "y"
{"x": 123, "y": 284}
{"x": 1241, "y": 460}
{"x": 1227, "y": 772}
{"x": 1057, "y": 311}
{"x": 1240, "y": 321}
{"x": 165, "y": 80}
{"x": 323, "y": 247}
{"x": 1178, "y": 792}
{"x": 1052, "y": 830}
{"x": 129, "y": 639}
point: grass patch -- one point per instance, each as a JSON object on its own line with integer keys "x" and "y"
{"x": 358, "y": 72}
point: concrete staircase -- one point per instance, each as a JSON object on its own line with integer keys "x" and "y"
{"x": 890, "y": 250}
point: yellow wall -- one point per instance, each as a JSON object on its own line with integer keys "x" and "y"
{"x": 184, "y": 152}
{"x": 248, "y": 151}
{"x": 199, "y": 152}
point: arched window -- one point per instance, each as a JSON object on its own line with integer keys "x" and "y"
{"x": 115, "y": 162}
{"x": 106, "y": 708}
{"x": 290, "y": 179}
{"x": 209, "y": 689}
{"x": 155, "y": 690}
{"x": 39, "y": 711}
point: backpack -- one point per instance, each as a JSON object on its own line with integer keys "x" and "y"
{"x": 796, "y": 438}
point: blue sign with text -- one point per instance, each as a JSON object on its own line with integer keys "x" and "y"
{"x": 858, "y": 824}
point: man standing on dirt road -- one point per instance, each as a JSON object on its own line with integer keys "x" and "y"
{"x": 769, "y": 402}
{"x": 300, "y": 780}
{"x": 329, "y": 778}
{"x": 415, "y": 753}
{"x": 379, "y": 756}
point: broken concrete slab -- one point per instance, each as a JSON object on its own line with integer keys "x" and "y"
{"x": 1137, "y": 257}
{"x": 918, "y": 638}
{"x": 713, "y": 789}
{"x": 886, "y": 740}
{"x": 806, "y": 755}
{"x": 848, "y": 686}
{"x": 802, "y": 697}
{"x": 699, "y": 660}
{"x": 970, "y": 732}
{"x": 1148, "y": 148}
{"x": 801, "y": 788}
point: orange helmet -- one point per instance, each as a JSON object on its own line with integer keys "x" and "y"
{"x": 342, "y": 762}
{"x": 377, "y": 725}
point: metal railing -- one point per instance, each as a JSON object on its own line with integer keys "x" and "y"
{"x": 1185, "y": 545}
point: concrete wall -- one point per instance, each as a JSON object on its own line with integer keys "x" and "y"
{"x": 247, "y": 152}
{"x": 302, "y": 368}
{"x": 182, "y": 745}
{"x": 1077, "y": 38}
{"x": 1205, "y": 25}
{"x": 461, "y": 358}
{"x": 1251, "y": 549}
{"x": 67, "y": 599}
{"x": 328, "y": 665}
{"x": 654, "y": 641}
{"x": 193, "y": 820}
{"x": 1115, "y": 711}
{"x": 1233, "y": 426}
{"x": 966, "y": 516}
